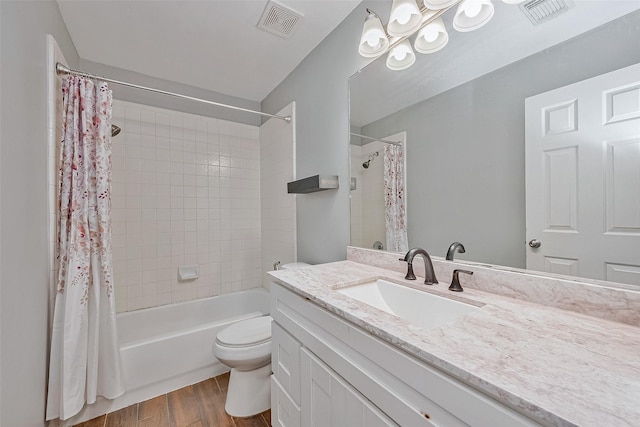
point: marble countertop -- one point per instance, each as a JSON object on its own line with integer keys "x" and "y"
{"x": 560, "y": 367}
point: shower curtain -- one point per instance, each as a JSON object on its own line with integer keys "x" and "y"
{"x": 395, "y": 218}
{"x": 85, "y": 357}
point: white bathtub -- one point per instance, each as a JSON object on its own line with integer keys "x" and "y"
{"x": 169, "y": 347}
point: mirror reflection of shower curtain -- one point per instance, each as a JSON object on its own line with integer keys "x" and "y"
{"x": 395, "y": 216}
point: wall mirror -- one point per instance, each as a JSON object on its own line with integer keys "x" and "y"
{"x": 468, "y": 176}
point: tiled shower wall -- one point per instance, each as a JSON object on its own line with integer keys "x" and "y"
{"x": 186, "y": 191}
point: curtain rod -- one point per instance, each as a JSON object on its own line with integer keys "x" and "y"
{"x": 61, "y": 69}
{"x": 377, "y": 139}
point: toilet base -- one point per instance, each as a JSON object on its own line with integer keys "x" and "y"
{"x": 249, "y": 392}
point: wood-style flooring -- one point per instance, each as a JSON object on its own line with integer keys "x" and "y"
{"x": 197, "y": 405}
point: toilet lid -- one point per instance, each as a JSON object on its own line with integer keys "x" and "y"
{"x": 246, "y": 332}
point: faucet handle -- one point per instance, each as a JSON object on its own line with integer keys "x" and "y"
{"x": 410, "y": 274}
{"x": 455, "y": 281}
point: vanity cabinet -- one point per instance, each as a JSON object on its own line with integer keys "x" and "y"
{"x": 330, "y": 372}
{"x": 327, "y": 398}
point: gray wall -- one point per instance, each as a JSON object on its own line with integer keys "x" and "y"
{"x": 319, "y": 85}
{"x": 23, "y": 216}
{"x": 465, "y": 149}
{"x": 493, "y": 168}
{"x": 125, "y": 93}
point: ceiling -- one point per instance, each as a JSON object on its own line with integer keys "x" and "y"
{"x": 212, "y": 44}
{"x": 377, "y": 92}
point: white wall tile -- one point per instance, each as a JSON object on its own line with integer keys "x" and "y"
{"x": 167, "y": 210}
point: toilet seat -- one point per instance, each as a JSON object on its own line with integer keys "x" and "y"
{"x": 245, "y": 345}
{"x": 246, "y": 333}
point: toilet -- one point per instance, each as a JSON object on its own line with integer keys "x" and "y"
{"x": 245, "y": 347}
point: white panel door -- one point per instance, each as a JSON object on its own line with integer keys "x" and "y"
{"x": 284, "y": 412}
{"x": 285, "y": 361}
{"x": 328, "y": 401}
{"x": 583, "y": 178}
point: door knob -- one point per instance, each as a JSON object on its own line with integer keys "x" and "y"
{"x": 534, "y": 243}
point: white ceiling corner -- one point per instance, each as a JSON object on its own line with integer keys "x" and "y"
{"x": 214, "y": 44}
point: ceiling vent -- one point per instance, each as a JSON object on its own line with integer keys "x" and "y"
{"x": 279, "y": 20}
{"x": 540, "y": 11}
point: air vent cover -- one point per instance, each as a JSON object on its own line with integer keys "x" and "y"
{"x": 279, "y": 20}
{"x": 539, "y": 11}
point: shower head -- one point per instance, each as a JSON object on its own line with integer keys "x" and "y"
{"x": 371, "y": 157}
{"x": 115, "y": 130}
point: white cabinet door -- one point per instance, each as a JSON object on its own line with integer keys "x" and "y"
{"x": 328, "y": 401}
{"x": 285, "y": 361}
{"x": 583, "y": 178}
{"x": 284, "y": 412}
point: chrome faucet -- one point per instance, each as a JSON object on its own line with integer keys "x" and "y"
{"x": 429, "y": 274}
{"x": 455, "y": 245}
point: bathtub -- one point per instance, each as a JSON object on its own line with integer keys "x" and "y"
{"x": 168, "y": 347}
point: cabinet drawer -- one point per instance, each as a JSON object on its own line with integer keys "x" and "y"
{"x": 284, "y": 412}
{"x": 285, "y": 361}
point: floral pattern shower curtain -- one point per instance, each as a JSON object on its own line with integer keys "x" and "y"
{"x": 395, "y": 218}
{"x": 85, "y": 358}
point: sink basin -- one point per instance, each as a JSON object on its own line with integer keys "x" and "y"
{"x": 420, "y": 309}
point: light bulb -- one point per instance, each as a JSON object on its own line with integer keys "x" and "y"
{"x": 401, "y": 56}
{"x": 373, "y": 38}
{"x": 432, "y": 38}
{"x": 472, "y": 14}
{"x": 400, "y": 53}
{"x": 430, "y": 33}
{"x": 472, "y": 9}
{"x": 403, "y": 14}
{"x": 374, "y": 41}
{"x": 405, "y": 18}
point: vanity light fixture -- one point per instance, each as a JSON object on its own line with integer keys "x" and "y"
{"x": 406, "y": 19}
